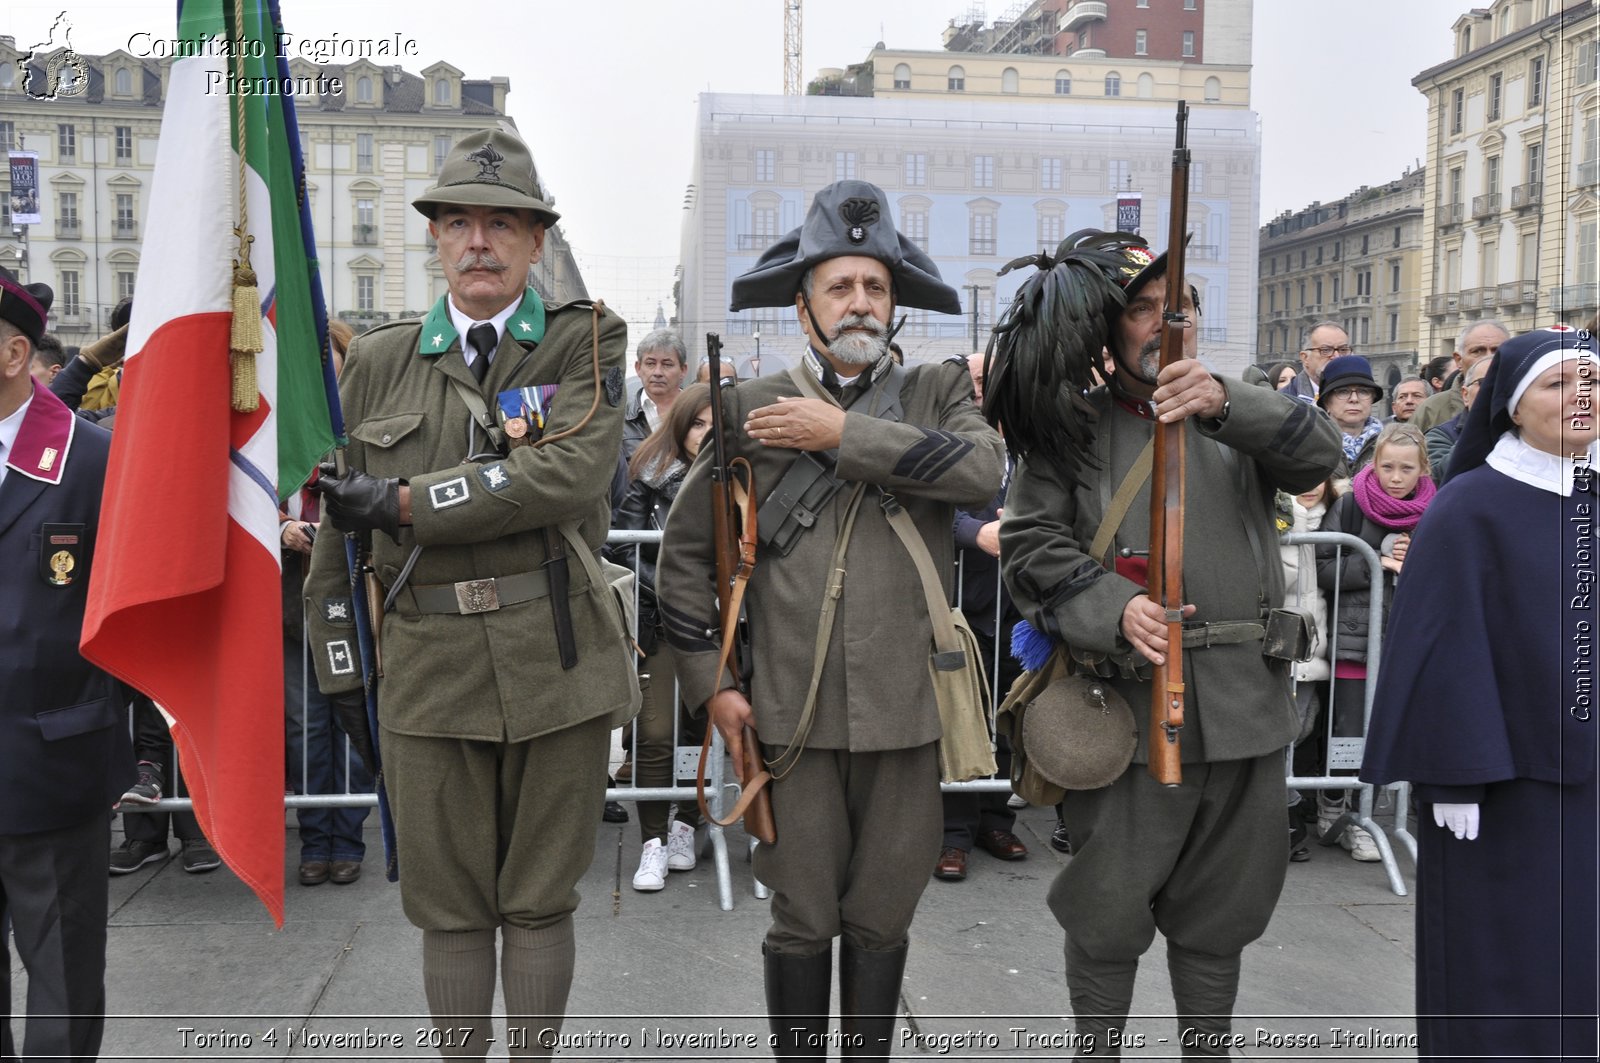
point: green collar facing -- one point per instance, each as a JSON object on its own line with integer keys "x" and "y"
{"x": 439, "y": 332}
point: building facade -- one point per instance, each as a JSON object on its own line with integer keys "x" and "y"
{"x": 1003, "y": 160}
{"x": 1356, "y": 262}
{"x": 1510, "y": 207}
{"x": 368, "y": 149}
{"x": 1202, "y": 31}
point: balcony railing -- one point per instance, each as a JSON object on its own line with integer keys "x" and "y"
{"x": 364, "y": 318}
{"x": 756, "y": 241}
{"x": 1451, "y": 214}
{"x": 364, "y": 235}
{"x": 1081, "y": 13}
{"x": 1205, "y": 252}
{"x": 1486, "y": 206}
{"x": 1574, "y": 297}
{"x": 1515, "y": 293}
{"x": 1356, "y": 300}
{"x": 1444, "y": 304}
{"x": 1528, "y": 195}
{"x": 1474, "y": 298}
{"x": 981, "y": 247}
{"x": 68, "y": 230}
{"x": 126, "y": 230}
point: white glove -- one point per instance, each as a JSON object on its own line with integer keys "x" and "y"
{"x": 1460, "y": 820}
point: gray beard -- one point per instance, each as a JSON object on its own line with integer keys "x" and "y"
{"x": 858, "y": 348}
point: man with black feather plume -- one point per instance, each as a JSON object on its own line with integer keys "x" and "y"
{"x": 1202, "y": 862}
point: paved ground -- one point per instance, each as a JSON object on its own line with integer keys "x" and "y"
{"x": 197, "y": 971}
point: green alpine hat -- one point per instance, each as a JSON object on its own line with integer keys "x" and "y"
{"x": 487, "y": 168}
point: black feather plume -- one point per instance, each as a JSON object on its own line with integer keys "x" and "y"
{"x": 1043, "y": 352}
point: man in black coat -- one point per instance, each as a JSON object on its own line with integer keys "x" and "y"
{"x": 64, "y": 753}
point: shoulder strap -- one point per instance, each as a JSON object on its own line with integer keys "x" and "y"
{"x": 480, "y": 412}
{"x": 1121, "y": 502}
{"x": 944, "y": 630}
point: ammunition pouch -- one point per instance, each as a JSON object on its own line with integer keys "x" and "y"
{"x": 1291, "y": 635}
{"x": 793, "y": 506}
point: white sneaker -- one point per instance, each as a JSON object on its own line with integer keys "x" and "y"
{"x": 1016, "y": 801}
{"x": 652, "y": 873}
{"x": 680, "y": 847}
{"x": 1360, "y": 845}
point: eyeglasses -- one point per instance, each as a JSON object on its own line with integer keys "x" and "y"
{"x": 1329, "y": 352}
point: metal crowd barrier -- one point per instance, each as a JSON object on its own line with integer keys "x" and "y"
{"x": 1346, "y": 752}
{"x": 723, "y": 791}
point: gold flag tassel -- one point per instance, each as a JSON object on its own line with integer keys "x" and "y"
{"x": 244, "y": 341}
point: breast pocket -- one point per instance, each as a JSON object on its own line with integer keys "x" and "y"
{"x": 394, "y": 445}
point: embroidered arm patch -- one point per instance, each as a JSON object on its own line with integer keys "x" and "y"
{"x": 931, "y": 456}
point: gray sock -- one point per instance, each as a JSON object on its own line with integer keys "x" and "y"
{"x": 458, "y": 978}
{"x": 536, "y": 975}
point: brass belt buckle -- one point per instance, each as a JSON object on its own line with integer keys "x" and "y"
{"x": 477, "y": 596}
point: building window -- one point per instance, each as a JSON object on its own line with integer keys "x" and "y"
{"x": 1536, "y": 81}
{"x": 1063, "y": 83}
{"x": 66, "y": 142}
{"x": 125, "y": 213}
{"x": 916, "y": 227}
{"x": 1317, "y": 287}
{"x": 764, "y": 225}
{"x": 441, "y": 151}
{"x": 1464, "y": 42}
{"x": 1458, "y": 105}
{"x": 124, "y": 140}
{"x": 8, "y": 74}
{"x": 1394, "y": 276}
{"x": 1394, "y": 328}
{"x": 844, "y": 165}
{"x": 123, "y": 82}
{"x": 1119, "y": 174}
{"x": 125, "y": 278}
{"x": 1113, "y": 84}
{"x": 67, "y": 303}
{"x": 983, "y": 171}
{"x": 982, "y": 234}
{"x": 68, "y": 205}
{"x": 1364, "y": 282}
{"x": 766, "y": 164}
{"x": 1144, "y": 3}
{"x": 1397, "y": 236}
{"x": 1535, "y": 164}
{"x": 1302, "y": 258}
{"x": 1141, "y": 42}
{"x": 1365, "y": 244}
{"x": 1188, "y": 5}
{"x": 366, "y": 293}
{"x": 1188, "y": 44}
{"x": 916, "y": 168}
{"x": 1050, "y": 174}
{"x": 1147, "y": 86}
{"x": 366, "y": 228}
{"x": 1213, "y": 90}
{"x": 1302, "y": 293}
{"x": 8, "y": 135}
{"x": 1455, "y": 186}
{"x": 441, "y": 91}
{"x": 1496, "y": 84}
{"x": 1491, "y": 169}
{"x": 1009, "y": 80}
{"x": 902, "y": 76}
{"x": 363, "y": 152}
{"x": 1050, "y": 231}
{"x": 956, "y": 80}
{"x": 364, "y": 90}
{"x": 1272, "y": 299}
{"x": 1586, "y": 256}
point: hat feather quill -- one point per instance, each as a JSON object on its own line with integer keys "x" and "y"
{"x": 1043, "y": 353}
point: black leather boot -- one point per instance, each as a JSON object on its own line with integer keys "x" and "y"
{"x": 798, "y": 991}
{"x": 869, "y": 999}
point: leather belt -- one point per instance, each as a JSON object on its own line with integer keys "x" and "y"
{"x": 480, "y": 595}
{"x": 1222, "y": 633}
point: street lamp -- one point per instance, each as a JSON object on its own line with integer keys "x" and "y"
{"x": 19, "y": 232}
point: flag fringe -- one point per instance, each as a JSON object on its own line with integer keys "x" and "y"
{"x": 245, "y": 340}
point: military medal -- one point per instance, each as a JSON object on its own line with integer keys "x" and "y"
{"x": 59, "y": 545}
{"x": 516, "y": 427}
{"x": 522, "y": 413}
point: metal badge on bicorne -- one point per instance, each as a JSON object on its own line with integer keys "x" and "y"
{"x": 858, "y": 213}
{"x": 522, "y": 413}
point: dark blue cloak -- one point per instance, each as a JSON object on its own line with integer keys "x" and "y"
{"x": 1485, "y": 695}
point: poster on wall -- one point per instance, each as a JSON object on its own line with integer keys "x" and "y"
{"x": 25, "y": 188}
{"x": 1128, "y": 206}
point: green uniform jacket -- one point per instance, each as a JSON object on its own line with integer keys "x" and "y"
{"x": 492, "y": 676}
{"x": 875, "y": 693}
{"x": 1238, "y": 702}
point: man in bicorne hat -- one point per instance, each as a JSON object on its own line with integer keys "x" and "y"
{"x": 1202, "y": 862}
{"x": 64, "y": 750}
{"x": 859, "y": 817}
{"x": 503, "y": 662}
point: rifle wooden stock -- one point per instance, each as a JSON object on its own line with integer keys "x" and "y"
{"x": 1166, "y": 494}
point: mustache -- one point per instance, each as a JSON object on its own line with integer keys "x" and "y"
{"x": 859, "y": 321}
{"x": 480, "y": 260}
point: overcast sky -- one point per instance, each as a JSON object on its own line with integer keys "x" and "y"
{"x": 605, "y": 92}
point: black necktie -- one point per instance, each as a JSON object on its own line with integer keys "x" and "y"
{"x": 482, "y": 338}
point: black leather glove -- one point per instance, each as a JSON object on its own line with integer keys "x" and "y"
{"x": 350, "y": 709}
{"x": 356, "y": 502}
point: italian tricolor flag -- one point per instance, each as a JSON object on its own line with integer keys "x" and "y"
{"x": 185, "y": 603}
